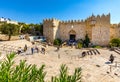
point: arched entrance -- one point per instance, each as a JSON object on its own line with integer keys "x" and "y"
{"x": 72, "y": 35}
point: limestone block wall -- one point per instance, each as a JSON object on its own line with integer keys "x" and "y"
{"x": 65, "y": 28}
{"x": 80, "y": 31}
{"x": 100, "y": 30}
{"x": 56, "y": 29}
{"x": 112, "y": 33}
{"x": 48, "y": 30}
{"x": 118, "y": 32}
{"x": 99, "y": 21}
{"x": 100, "y": 35}
{"x": 115, "y": 31}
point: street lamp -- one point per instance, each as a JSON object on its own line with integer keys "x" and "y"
{"x": 92, "y": 22}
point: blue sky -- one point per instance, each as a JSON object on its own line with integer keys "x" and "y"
{"x": 34, "y": 11}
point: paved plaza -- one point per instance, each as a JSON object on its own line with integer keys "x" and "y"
{"x": 95, "y": 67}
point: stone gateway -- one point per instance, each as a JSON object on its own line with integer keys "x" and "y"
{"x": 97, "y": 27}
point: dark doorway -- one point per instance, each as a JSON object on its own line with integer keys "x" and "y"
{"x": 72, "y": 37}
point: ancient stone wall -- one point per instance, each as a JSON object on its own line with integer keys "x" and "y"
{"x": 100, "y": 35}
{"x": 66, "y": 27}
{"x": 118, "y": 32}
{"x": 115, "y": 31}
{"x": 48, "y": 29}
{"x": 99, "y": 32}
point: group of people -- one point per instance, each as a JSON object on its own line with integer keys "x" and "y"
{"x": 33, "y": 49}
{"x": 20, "y": 50}
{"x": 37, "y": 49}
{"x": 111, "y": 58}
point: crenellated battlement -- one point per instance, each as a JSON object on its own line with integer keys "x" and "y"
{"x": 100, "y": 18}
{"x": 72, "y": 21}
{"x": 68, "y": 21}
{"x": 50, "y": 20}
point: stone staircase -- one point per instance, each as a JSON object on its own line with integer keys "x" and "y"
{"x": 93, "y": 52}
{"x": 117, "y": 50}
{"x": 90, "y": 52}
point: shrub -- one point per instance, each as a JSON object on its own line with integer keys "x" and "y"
{"x": 21, "y": 72}
{"x": 64, "y": 77}
{"x": 79, "y": 45}
{"x": 97, "y": 47}
{"x": 30, "y": 73}
{"x": 57, "y": 42}
{"x": 115, "y": 42}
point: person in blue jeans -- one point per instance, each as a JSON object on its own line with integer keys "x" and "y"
{"x": 32, "y": 50}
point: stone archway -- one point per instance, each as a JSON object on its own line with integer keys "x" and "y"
{"x": 72, "y": 35}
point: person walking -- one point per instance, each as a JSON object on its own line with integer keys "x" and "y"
{"x": 111, "y": 59}
{"x": 32, "y": 50}
{"x": 25, "y": 48}
{"x": 37, "y": 49}
{"x": 43, "y": 50}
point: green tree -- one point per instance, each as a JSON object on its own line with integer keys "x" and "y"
{"x": 86, "y": 41}
{"x": 25, "y": 28}
{"x": 29, "y": 28}
{"x": 57, "y": 42}
{"x": 9, "y": 29}
{"x": 115, "y": 42}
{"x": 39, "y": 27}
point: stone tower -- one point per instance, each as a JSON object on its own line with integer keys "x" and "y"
{"x": 50, "y": 29}
{"x": 98, "y": 29}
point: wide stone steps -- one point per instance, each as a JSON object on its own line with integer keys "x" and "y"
{"x": 117, "y": 50}
{"x": 90, "y": 52}
{"x": 93, "y": 52}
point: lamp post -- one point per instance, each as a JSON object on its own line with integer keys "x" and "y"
{"x": 93, "y": 22}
